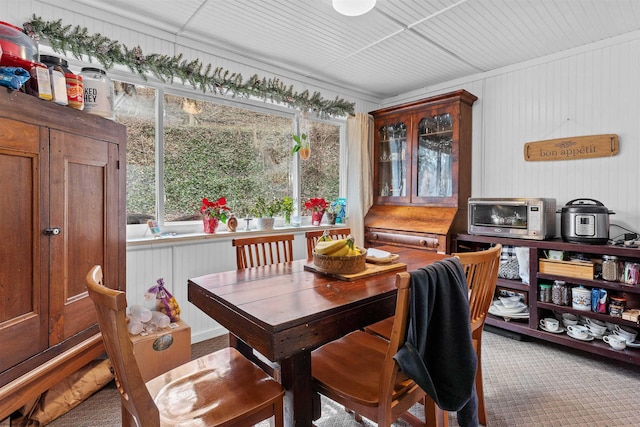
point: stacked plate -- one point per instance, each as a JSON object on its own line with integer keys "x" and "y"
{"x": 519, "y": 311}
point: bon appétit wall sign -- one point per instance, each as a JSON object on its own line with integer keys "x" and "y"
{"x": 572, "y": 148}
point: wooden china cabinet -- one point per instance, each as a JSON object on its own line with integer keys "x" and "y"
{"x": 422, "y": 172}
{"x": 62, "y": 180}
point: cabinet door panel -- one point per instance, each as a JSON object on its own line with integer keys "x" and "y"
{"x": 81, "y": 177}
{"x": 23, "y": 305}
{"x": 436, "y": 168}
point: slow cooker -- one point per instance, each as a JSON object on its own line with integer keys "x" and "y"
{"x": 585, "y": 221}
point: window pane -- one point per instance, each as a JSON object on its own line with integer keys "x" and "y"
{"x": 320, "y": 173}
{"x": 214, "y": 150}
{"x": 134, "y": 108}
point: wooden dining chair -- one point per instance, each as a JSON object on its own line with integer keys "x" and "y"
{"x": 481, "y": 271}
{"x": 254, "y": 252}
{"x": 263, "y": 250}
{"x": 220, "y": 389}
{"x": 359, "y": 371}
{"x": 313, "y": 236}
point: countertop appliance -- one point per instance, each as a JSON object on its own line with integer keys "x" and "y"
{"x": 585, "y": 221}
{"x": 525, "y": 218}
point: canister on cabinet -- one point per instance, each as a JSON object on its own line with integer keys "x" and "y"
{"x": 544, "y": 294}
{"x": 610, "y": 268}
{"x": 557, "y": 292}
{"x": 98, "y": 92}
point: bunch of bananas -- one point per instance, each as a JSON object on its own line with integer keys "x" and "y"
{"x": 339, "y": 247}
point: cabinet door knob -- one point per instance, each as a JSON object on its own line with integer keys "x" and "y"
{"x": 52, "y": 231}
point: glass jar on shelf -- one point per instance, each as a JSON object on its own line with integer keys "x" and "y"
{"x": 544, "y": 293}
{"x": 610, "y": 268}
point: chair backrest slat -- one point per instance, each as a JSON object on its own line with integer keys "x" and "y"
{"x": 481, "y": 269}
{"x": 390, "y": 390}
{"x": 313, "y": 236}
{"x": 263, "y": 250}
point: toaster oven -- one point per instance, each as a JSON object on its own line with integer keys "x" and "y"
{"x": 527, "y": 218}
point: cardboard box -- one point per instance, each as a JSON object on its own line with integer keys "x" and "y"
{"x": 578, "y": 270}
{"x": 164, "y": 350}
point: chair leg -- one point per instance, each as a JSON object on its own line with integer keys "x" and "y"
{"x": 482, "y": 413}
{"x": 127, "y": 418}
{"x": 278, "y": 416}
{"x": 433, "y": 415}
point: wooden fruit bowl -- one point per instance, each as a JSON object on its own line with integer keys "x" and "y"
{"x": 340, "y": 264}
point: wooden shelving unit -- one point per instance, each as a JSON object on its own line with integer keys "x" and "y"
{"x": 538, "y": 309}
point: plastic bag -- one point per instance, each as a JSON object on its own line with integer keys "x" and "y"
{"x": 165, "y": 302}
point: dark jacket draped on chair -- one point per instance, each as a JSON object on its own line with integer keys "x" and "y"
{"x": 438, "y": 353}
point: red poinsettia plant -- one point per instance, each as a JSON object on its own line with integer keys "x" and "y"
{"x": 217, "y": 209}
{"x": 316, "y": 204}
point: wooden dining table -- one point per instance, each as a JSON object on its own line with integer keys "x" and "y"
{"x": 285, "y": 311}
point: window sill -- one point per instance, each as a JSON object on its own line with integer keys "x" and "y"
{"x": 186, "y": 235}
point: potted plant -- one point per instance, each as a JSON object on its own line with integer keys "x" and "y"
{"x": 287, "y": 209}
{"x": 317, "y": 206}
{"x": 303, "y": 146}
{"x": 264, "y": 212}
{"x": 213, "y": 212}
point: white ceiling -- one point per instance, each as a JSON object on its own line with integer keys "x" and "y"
{"x": 400, "y": 46}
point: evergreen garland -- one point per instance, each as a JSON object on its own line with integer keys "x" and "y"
{"x": 78, "y": 41}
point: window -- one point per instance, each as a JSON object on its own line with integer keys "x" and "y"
{"x": 320, "y": 173}
{"x": 134, "y": 107}
{"x": 216, "y": 150}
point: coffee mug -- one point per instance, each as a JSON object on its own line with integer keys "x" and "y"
{"x": 615, "y": 341}
{"x": 557, "y": 255}
{"x": 578, "y": 331}
{"x": 550, "y": 324}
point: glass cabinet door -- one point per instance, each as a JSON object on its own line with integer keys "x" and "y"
{"x": 435, "y": 156}
{"x": 392, "y": 160}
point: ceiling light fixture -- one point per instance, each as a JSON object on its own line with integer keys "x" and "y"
{"x": 353, "y": 7}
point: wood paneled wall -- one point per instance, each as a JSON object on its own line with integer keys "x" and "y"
{"x": 586, "y": 91}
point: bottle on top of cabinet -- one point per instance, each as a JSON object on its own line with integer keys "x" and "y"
{"x": 98, "y": 92}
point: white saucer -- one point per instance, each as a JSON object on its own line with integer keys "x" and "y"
{"x": 498, "y": 311}
{"x": 635, "y": 344}
{"x": 519, "y": 308}
{"x": 589, "y": 338}
{"x": 557, "y": 331}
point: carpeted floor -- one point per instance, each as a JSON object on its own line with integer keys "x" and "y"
{"x": 527, "y": 383}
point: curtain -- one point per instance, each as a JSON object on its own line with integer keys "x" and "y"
{"x": 358, "y": 172}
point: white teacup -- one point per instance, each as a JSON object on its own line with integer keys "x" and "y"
{"x": 578, "y": 331}
{"x": 625, "y": 332}
{"x": 596, "y": 330}
{"x": 510, "y": 302}
{"x": 550, "y": 324}
{"x": 569, "y": 319}
{"x": 591, "y": 321}
{"x": 615, "y": 341}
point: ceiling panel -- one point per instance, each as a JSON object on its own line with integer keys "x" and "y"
{"x": 401, "y": 45}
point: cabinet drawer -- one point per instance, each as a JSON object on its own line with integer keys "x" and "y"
{"x": 432, "y": 242}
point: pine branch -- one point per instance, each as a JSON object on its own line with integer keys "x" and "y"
{"x": 78, "y": 41}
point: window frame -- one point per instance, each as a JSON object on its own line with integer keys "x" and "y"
{"x": 138, "y": 231}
